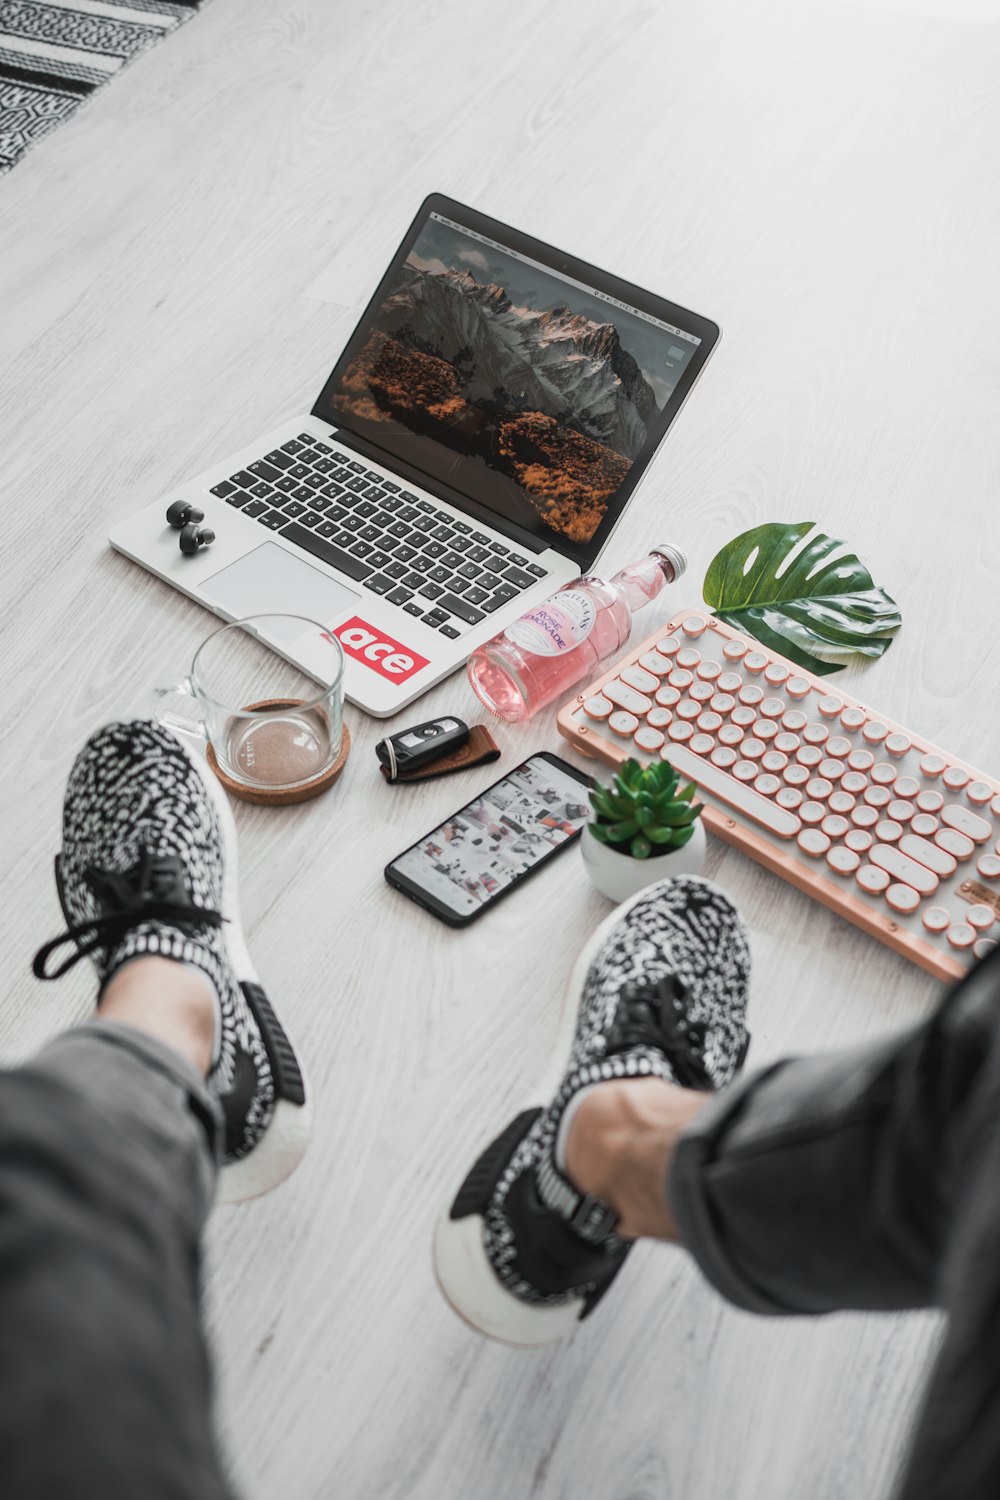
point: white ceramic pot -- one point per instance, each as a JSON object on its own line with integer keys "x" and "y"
{"x": 619, "y": 876}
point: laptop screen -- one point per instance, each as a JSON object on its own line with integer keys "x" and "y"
{"x": 510, "y": 377}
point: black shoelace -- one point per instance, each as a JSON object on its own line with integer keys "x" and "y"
{"x": 655, "y": 1015}
{"x": 152, "y": 891}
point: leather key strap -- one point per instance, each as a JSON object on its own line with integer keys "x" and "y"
{"x": 479, "y": 748}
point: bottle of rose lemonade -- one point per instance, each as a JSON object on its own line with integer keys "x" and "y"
{"x": 565, "y": 640}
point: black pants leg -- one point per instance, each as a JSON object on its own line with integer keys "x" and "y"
{"x": 107, "y": 1167}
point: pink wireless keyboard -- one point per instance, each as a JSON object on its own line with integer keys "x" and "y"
{"x": 898, "y": 836}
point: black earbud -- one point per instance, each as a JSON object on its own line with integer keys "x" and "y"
{"x": 193, "y": 538}
{"x": 181, "y": 513}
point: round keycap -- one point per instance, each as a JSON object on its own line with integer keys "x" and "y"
{"x": 901, "y": 810}
{"x": 809, "y": 755}
{"x": 835, "y": 826}
{"x": 883, "y": 774}
{"x": 789, "y": 797}
{"x": 745, "y": 770}
{"x": 729, "y": 682}
{"x": 852, "y": 718}
{"x": 794, "y": 721}
{"x": 667, "y": 696}
{"x": 858, "y": 839}
{"x": 936, "y": 918}
{"x": 753, "y": 749}
{"x": 979, "y": 792}
{"x": 833, "y": 770}
{"x": 980, "y": 917}
{"x": 680, "y": 677}
{"x": 623, "y": 723}
{"x": 864, "y": 817}
{"x": 854, "y": 782}
{"x": 708, "y": 722}
{"x": 871, "y": 879}
{"x": 930, "y": 802}
{"x": 701, "y": 692}
{"x": 648, "y": 739}
{"x": 743, "y": 717}
{"x": 843, "y": 861}
{"x": 680, "y": 730}
{"x": 888, "y": 832}
{"x": 598, "y": 707}
{"x": 767, "y": 785}
{"x": 902, "y": 898}
{"x": 837, "y": 746}
{"x": 765, "y": 729}
{"x": 724, "y": 757}
{"x": 709, "y": 671}
{"x": 688, "y": 657}
{"x": 995, "y": 807}
{"x": 989, "y": 866}
{"x": 819, "y": 788}
{"x": 797, "y": 687}
{"x": 874, "y": 732}
{"x": 730, "y": 734}
{"x": 842, "y": 802}
{"x": 687, "y": 708}
{"x": 658, "y": 718}
{"x": 861, "y": 760}
{"x": 961, "y": 935}
{"x": 694, "y": 625}
{"x": 982, "y": 946}
{"x": 772, "y": 708}
{"x": 830, "y": 706}
{"x": 898, "y": 744}
{"x": 796, "y": 775}
{"x": 774, "y": 761}
{"x": 813, "y": 842}
{"x": 954, "y": 843}
{"x": 751, "y": 694}
{"x": 668, "y": 647}
{"x": 815, "y": 734}
{"x": 955, "y": 777}
{"x": 907, "y": 786}
{"x": 812, "y": 812}
{"x": 701, "y": 744}
{"x": 924, "y": 824}
{"x": 787, "y": 743}
{"x": 877, "y": 796}
{"x": 755, "y": 661}
{"x": 931, "y": 765}
{"x": 776, "y": 673}
{"x": 722, "y": 703}
{"x": 734, "y": 650}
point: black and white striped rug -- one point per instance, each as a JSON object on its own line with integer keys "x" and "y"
{"x": 53, "y": 55}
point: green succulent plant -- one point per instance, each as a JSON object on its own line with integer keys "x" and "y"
{"x": 643, "y": 811}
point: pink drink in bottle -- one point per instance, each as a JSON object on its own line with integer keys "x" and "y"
{"x": 565, "y": 640}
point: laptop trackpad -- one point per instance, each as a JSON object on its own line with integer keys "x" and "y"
{"x": 271, "y": 580}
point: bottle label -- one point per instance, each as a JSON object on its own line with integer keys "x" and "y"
{"x": 557, "y": 626}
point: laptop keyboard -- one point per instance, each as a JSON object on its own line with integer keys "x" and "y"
{"x": 389, "y": 540}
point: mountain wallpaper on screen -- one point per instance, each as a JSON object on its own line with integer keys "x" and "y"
{"x": 549, "y": 398}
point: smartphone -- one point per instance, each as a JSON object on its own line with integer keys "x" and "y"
{"x": 486, "y": 848}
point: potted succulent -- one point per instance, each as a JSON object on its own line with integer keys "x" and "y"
{"x": 645, "y": 828}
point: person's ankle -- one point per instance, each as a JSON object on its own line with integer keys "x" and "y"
{"x": 171, "y": 1001}
{"x": 619, "y": 1147}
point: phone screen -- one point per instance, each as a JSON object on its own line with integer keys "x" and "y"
{"x": 481, "y": 850}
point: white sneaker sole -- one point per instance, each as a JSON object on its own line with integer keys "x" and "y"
{"x": 284, "y": 1142}
{"x": 462, "y": 1267}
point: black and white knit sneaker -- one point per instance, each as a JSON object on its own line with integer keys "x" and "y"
{"x": 149, "y": 866}
{"x": 660, "y": 990}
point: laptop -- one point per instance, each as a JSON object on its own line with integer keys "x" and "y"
{"x": 471, "y": 452}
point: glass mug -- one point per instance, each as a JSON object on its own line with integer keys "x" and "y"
{"x": 271, "y": 728}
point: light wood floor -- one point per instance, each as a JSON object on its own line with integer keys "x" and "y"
{"x": 820, "y": 178}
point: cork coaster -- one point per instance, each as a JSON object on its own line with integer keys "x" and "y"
{"x": 283, "y": 796}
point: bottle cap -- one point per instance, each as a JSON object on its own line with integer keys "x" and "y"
{"x": 673, "y": 555}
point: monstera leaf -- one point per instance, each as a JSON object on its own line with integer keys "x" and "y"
{"x": 818, "y": 611}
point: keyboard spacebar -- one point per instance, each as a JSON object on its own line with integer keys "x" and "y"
{"x": 739, "y": 796}
{"x": 319, "y": 547}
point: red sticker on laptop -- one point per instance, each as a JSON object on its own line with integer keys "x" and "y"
{"x": 389, "y": 658}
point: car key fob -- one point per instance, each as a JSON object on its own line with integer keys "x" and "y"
{"x": 411, "y": 749}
